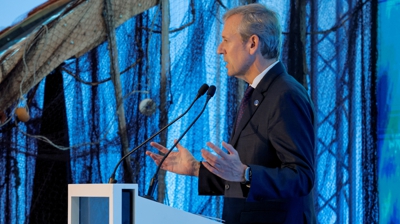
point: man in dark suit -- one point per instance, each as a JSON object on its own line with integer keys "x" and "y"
{"x": 267, "y": 176}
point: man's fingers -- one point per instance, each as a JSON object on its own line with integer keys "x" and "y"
{"x": 217, "y": 163}
{"x": 209, "y": 157}
{"x": 217, "y": 150}
{"x": 152, "y": 155}
{"x": 230, "y": 148}
{"x": 208, "y": 166}
{"x": 212, "y": 169}
{"x": 159, "y": 147}
{"x": 179, "y": 146}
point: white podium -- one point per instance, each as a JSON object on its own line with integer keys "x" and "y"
{"x": 120, "y": 204}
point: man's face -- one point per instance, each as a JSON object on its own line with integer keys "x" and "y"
{"x": 235, "y": 51}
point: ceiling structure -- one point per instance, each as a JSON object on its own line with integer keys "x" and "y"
{"x": 51, "y": 34}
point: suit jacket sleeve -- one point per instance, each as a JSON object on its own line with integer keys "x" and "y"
{"x": 210, "y": 184}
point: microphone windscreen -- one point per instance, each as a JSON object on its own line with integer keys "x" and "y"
{"x": 211, "y": 91}
{"x": 203, "y": 89}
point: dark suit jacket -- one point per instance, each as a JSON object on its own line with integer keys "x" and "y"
{"x": 276, "y": 139}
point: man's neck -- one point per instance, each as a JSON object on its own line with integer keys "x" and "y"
{"x": 258, "y": 67}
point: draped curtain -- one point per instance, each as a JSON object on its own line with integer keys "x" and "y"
{"x": 328, "y": 46}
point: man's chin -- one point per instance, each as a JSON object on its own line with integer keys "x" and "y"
{"x": 231, "y": 74}
{"x": 238, "y": 76}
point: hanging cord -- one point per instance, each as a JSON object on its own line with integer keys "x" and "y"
{"x": 22, "y": 100}
{"x": 44, "y": 139}
{"x": 26, "y": 69}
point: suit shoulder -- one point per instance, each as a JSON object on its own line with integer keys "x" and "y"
{"x": 286, "y": 84}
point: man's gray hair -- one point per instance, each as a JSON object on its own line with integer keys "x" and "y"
{"x": 263, "y": 22}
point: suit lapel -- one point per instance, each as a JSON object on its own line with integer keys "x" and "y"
{"x": 257, "y": 98}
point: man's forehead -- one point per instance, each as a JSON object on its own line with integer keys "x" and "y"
{"x": 231, "y": 25}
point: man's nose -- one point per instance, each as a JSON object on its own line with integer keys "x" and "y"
{"x": 220, "y": 49}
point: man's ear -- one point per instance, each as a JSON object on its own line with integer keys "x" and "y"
{"x": 254, "y": 43}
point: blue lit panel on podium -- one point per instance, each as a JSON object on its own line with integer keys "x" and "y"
{"x": 94, "y": 210}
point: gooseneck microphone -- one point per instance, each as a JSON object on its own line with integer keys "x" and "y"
{"x": 154, "y": 180}
{"x": 203, "y": 89}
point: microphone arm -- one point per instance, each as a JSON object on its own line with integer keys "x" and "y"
{"x": 200, "y": 93}
{"x": 154, "y": 180}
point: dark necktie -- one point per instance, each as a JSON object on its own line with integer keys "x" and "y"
{"x": 243, "y": 104}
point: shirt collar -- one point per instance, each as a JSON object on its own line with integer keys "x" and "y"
{"x": 262, "y": 74}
